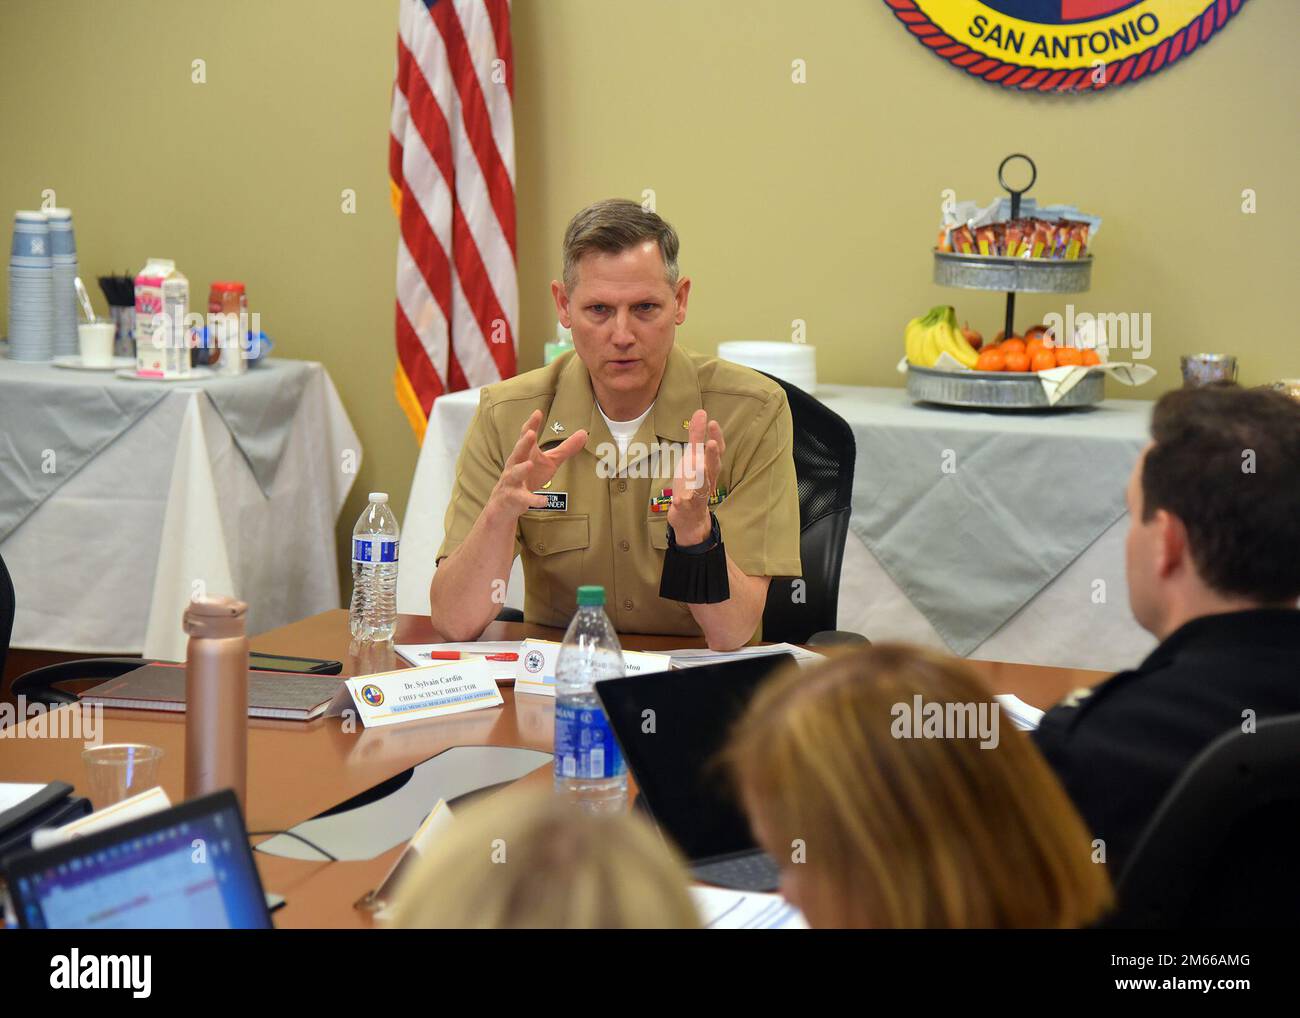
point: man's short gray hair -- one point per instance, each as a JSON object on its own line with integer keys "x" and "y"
{"x": 614, "y": 225}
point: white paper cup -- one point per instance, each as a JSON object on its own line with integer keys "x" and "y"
{"x": 96, "y": 343}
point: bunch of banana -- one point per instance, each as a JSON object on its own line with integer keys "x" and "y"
{"x": 935, "y": 333}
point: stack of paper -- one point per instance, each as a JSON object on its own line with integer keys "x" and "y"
{"x": 723, "y": 909}
{"x": 693, "y": 657}
{"x": 503, "y": 669}
{"x": 1023, "y": 715}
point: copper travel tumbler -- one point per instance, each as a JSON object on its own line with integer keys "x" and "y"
{"x": 216, "y": 697}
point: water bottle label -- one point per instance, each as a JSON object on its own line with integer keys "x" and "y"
{"x": 585, "y": 745}
{"x": 374, "y": 549}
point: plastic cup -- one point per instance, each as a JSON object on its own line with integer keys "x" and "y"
{"x": 120, "y": 770}
{"x": 95, "y": 340}
{"x": 31, "y": 236}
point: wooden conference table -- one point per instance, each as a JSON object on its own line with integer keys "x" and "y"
{"x": 297, "y": 770}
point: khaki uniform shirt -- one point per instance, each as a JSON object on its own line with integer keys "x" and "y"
{"x": 602, "y": 527}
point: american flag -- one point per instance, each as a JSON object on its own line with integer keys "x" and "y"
{"x": 451, "y": 160}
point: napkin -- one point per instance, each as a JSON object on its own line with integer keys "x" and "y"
{"x": 1057, "y": 382}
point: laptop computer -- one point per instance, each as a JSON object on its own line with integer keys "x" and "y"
{"x": 676, "y": 769}
{"x": 188, "y": 867}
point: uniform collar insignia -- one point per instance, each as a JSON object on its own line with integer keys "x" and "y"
{"x": 677, "y": 399}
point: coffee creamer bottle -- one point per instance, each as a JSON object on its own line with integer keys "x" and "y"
{"x": 162, "y": 301}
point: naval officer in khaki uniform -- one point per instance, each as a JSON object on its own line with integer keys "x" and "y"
{"x": 665, "y": 476}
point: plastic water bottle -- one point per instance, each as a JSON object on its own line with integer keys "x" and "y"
{"x": 589, "y": 766}
{"x": 374, "y": 572}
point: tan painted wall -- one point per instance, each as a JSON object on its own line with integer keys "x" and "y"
{"x": 816, "y": 201}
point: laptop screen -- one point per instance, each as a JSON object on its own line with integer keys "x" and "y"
{"x": 674, "y": 760}
{"x": 189, "y": 867}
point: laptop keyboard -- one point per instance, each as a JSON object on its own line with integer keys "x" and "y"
{"x": 752, "y": 871}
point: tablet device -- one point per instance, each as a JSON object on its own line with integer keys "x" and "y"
{"x": 188, "y": 867}
{"x": 676, "y": 763}
{"x": 304, "y": 665}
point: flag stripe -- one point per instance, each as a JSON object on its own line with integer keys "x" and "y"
{"x": 474, "y": 114}
{"x": 424, "y": 380}
{"x": 451, "y": 161}
{"x": 480, "y": 272}
{"x": 471, "y": 194}
{"x": 470, "y": 185}
{"x": 488, "y": 67}
{"x": 499, "y": 12}
{"x": 473, "y": 310}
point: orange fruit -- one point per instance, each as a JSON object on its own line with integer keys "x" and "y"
{"x": 1091, "y": 357}
{"x": 991, "y": 359}
{"x": 1068, "y": 355}
{"x": 1033, "y": 346}
{"x": 1017, "y": 360}
{"x": 1013, "y": 345}
{"x": 1044, "y": 360}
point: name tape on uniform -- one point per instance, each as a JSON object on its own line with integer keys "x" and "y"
{"x": 536, "y": 666}
{"x": 412, "y": 694}
{"x": 556, "y": 502}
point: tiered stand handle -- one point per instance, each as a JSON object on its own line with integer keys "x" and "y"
{"x": 1009, "y": 330}
{"x": 1013, "y": 275}
{"x": 997, "y": 390}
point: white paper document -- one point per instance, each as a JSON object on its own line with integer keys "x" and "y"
{"x": 539, "y": 658}
{"x": 151, "y": 800}
{"x": 693, "y": 657}
{"x": 420, "y": 654}
{"x": 723, "y": 909}
{"x": 1023, "y": 715}
{"x": 12, "y": 794}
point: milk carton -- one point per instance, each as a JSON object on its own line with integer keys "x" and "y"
{"x": 162, "y": 297}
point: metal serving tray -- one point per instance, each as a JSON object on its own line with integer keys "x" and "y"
{"x": 1016, "y": 275}
{"x": 997, "y": 390}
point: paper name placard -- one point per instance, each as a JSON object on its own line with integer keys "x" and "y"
{"x": 152, "y": 800}
{"x": 412, "y": 694}
{"x": 438, "y": 820}
{"x": 536, "y": 666}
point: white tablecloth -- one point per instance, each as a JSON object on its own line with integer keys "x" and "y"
{"x": 1074, "y": 621}
{"x": 171, "y": 508}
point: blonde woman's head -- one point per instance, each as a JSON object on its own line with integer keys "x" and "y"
{"x": 528, "y": 860}
{"x": 875, "y": 829}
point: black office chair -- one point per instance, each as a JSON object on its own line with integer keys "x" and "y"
{"x": 37, "y": 686}
{"x": 1221, "y": 850}
{"x": 824, "y": 453}
{"x": 6, "y": 613}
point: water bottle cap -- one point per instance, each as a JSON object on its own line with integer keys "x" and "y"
{"x": 379, "y": 496}
{"x": 590, "y": 595}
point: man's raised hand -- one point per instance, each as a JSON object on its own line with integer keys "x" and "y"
{"x": 529, "y": 467}
{"x": 696, "y": 479}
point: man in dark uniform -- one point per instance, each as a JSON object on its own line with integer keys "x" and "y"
{"x": 1213, "y": 569}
